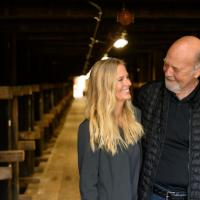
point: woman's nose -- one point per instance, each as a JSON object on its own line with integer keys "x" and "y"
{"x": 128, "y": 82}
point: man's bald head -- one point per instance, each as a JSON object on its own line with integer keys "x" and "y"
{"x": 182, "y": 65}
{"x": 187, "y": 47}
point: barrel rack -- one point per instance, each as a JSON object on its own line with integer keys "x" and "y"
{"x": 29, "y": 118}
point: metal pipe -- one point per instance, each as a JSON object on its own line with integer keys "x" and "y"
{"x": 93, "y": 38}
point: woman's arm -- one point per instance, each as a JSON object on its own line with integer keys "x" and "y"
{"x": 88, "y": 163}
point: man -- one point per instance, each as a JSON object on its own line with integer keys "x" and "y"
{"x": 171, "y": 120}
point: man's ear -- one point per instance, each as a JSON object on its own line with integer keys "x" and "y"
{"x": 197, "y": 71}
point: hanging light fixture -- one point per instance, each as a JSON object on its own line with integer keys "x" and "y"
{"x": 122, "y": 41}
{"x": 105, "y": 57}
{"x": 125, "y": 17}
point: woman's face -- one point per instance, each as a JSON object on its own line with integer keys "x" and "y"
{"x": 123, "y": 84}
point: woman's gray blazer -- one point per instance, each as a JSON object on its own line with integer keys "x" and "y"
{"x": 107, "y": 177}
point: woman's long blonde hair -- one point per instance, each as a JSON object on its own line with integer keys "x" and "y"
{"x": 101, "y": 102}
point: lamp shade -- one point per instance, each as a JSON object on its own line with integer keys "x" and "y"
{"x": 125, "y": 17}
{"x": 122, "y": 41}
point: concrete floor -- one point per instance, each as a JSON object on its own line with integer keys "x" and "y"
{"x": 59, "y": 179}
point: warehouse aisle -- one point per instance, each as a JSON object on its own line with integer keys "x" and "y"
{"x": 59, "y": 175}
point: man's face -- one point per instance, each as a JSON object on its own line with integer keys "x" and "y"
{"x": 179, "y": 75}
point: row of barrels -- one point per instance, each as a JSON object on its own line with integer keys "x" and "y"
{"x": 29, "y": 116}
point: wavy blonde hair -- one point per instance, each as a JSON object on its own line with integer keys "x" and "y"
{"x": 101, "y": 102}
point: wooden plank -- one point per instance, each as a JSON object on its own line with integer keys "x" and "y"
{"x": 28, "y": 180}
{"x": 5, "y": 173}
{"x": 38, "y": 127}
{"x": 29, "y": 135}
{"x": 45, "y": 123}
{"x": 55, "y": 110}
{"x": 22, "y": 90}
{"x": 6, "y": 92}
{"x": 26, "y": 145}
{"x": 37, "y": 134}
{"x": 42, "y": 159}
{"x": 49, "y": 86}
{"x": 24, "y": 197}
{"x": 35, "y": 88}
{"x": 26, "y": 135}
{"x": 38, "y": 130}
{"x": 49, "y": 116}
{"x": 12, "y": 156}
{"x": 47, "y": 119}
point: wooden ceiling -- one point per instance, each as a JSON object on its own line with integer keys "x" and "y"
{"x": 53, "y": 36}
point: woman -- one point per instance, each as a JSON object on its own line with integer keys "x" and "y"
{"x": 109, "y": 152}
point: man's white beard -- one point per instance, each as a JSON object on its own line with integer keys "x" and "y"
{"x": 172, "y": 86}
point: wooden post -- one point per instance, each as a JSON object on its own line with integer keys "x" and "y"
{"x": 14, "y": 125}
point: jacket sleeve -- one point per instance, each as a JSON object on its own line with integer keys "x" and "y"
{"x": 88, "y": 163}
{"x": 141, "y": 97}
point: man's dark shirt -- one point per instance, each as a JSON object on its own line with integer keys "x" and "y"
{"x": 173, "y": 165}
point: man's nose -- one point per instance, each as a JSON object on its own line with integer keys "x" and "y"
{"x": 168, "y": 71}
